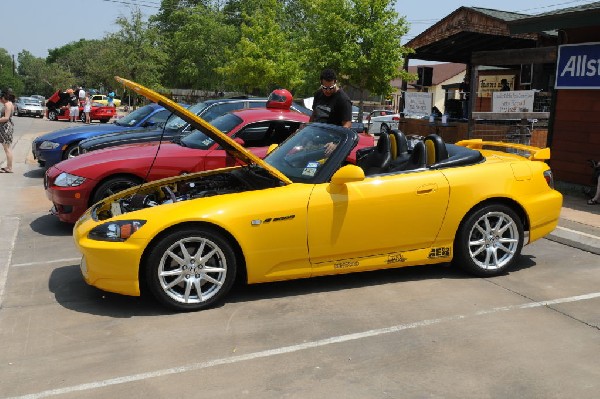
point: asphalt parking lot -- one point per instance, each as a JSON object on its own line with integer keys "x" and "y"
{"x": 422, "y": 332}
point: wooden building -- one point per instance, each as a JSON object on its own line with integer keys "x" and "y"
{"x": 574, "y": 134}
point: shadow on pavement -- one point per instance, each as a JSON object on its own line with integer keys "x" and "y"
{"x": 36, "y": 173}
{"x": 49, "y": 225}
{"x": 73, "y": 293}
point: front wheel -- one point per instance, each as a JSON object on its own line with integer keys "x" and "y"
{"x": 489, "y": 241}
{"x": 191, "y": 269}
{"x": 71, "y": 151}
{"x": 52, "y": 115}
{"x": 113, "y": 186}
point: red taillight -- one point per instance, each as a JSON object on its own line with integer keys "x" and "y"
{"x": 396, "y": 118}
{"x": 549, "y": 178}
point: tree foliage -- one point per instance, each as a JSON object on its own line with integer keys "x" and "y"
{"x": 253, "y": 45}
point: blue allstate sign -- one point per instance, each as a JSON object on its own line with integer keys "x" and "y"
{"x": 578, "y": 66}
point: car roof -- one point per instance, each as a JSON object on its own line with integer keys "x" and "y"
{"x": 256, "y": 114}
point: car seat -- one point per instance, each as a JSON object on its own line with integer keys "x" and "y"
{"x": 436, "y": 149}
{"x": 418, "y": 158}
{"x": 399, "y": 149}
{"x": 377, "y": 159}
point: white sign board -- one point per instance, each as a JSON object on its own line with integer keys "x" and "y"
{"x": 513, "y": 101}
{"x": 417, "y": 103}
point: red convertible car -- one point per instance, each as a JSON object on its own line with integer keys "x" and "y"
{"x": 76, "y": 183}
{"x": 58, "y": 110}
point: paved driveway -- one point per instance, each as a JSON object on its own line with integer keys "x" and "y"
{"x": 422, "y": 332}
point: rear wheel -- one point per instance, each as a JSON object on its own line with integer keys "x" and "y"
{"x": 489, "y": 241}
{"x": 113, "y": 186}
{"x": 82, "y": 117}
{"x": 191, "y": 269}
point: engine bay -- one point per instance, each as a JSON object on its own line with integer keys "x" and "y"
{"x": 239, "y": 180}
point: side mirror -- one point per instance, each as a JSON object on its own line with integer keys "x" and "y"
{"x": 345, "y": 174}
{"x": 239, "y": 141}
{"x": 271, "y": 148}
{"x": 149, "y": 123}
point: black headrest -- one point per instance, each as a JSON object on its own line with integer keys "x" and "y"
{"x": 440, "y": 151}
{"x": 401, "y": 141}
{"x": 418, "y": 157}
{"x": 383, "y": 143}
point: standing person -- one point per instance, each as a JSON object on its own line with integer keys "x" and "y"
{"x": 73, "y": 107}
{"x": 6, "y": 128}
{"x": 87, "y": 108}
{"x": 330, "y": 103}
{"x": 504, "y": 85}
{"x": 81, "y": 95}
{"x": 110, "y": 98}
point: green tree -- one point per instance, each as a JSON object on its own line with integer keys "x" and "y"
{"x": 135, "y": 52}
{"x": 8, "y": 74}
{"x": 360, "y": 39}
{"x": 197, "y": 48}
{"x": 265, "y": 58}
{"x": 33, "y": 71}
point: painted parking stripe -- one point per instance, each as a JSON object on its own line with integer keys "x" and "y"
{"x": 47, "y": 262}
{"x": 295, "y": 348}
{"x": 9, "y": 226}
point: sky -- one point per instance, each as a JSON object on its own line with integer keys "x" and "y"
{"x": 58, "y": 22}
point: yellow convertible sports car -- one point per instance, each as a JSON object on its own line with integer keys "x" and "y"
{"x": 303, "y": 211}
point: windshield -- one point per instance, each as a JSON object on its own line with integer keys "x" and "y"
{"x": 136, "y": 116}
{"x": 303, "y": 155}
{"x": 196, "y": 139}
{"x": 176, "y": 123}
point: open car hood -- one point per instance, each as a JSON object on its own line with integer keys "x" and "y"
{"x": 197, "y": 122}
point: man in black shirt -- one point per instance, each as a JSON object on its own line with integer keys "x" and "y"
{"x": 330, "y": 103}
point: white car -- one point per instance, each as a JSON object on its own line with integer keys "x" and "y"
{"x": 28, "y": 106}
{"x": 381, "y": 121}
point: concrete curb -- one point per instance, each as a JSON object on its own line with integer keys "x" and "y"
{"x": 576, "y": 239}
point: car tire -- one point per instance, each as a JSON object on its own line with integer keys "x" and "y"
{"x": 82, "y": 117}
{"x": 180, "y": 279}
{"x": 113, "y": 185}
{"x": 52, "y": 115}
{"x": 71, "y": 151}
{"x": 384, "y": 129}
{"x": 489, "y": 241}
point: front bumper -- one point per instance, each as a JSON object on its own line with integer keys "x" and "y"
{"x": 69, "y": 203}
{"x": 46, "y": 157}
{"x": 109, "y": 266}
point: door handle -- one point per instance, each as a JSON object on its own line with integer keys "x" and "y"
{"x": 426, "y": 189}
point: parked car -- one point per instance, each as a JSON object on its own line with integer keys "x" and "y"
{"x": 176, "y": 126}
{"x": 302, "y": 213}
{"x": 382, "y": 121}
{"x": 53, "y": 147}
{"x": 28, "y": 106}
{"x": 97, "y": 174}
{"x": 39, "y": 97}
{"x": 102, "y": 99}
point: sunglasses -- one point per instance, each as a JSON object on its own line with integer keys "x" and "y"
{"x": 332, "y": 87}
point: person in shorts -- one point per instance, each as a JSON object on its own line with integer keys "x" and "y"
{"x": 6, "y": 128}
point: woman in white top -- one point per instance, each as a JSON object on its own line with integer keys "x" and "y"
{"x": 87, "y": 108}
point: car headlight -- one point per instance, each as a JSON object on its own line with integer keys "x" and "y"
{"x": 68, "y": 180}
{"x": 48, "y": 145}
{"x": 117, "y": 231}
